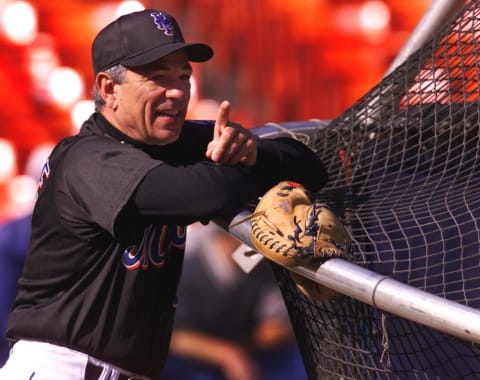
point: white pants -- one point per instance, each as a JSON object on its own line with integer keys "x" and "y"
{"x": 31, "y": 360}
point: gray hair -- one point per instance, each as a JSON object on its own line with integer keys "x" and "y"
{"x": 117, "y": 74}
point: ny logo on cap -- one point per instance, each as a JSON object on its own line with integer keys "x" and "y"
{"x": 163, "y": 22}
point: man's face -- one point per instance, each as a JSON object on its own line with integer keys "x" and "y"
{"x": 151, "y": 103}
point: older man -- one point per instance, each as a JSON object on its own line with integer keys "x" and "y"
{"x": 97, "y": 296}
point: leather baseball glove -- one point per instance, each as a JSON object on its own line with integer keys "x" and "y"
{"x": 289, "y": 229}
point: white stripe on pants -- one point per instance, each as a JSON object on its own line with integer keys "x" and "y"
{"x": 31, "y": 360}
{"x": 43, "y": 361}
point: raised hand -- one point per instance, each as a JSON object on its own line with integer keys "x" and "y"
{"x": 232, "y": 144}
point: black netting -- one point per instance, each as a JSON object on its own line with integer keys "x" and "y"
{"x": 404, "y": 175}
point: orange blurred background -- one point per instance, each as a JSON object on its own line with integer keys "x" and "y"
{"x": 275, "y": 60}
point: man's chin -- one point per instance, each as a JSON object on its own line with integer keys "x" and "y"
{"x": 165, "y": 137}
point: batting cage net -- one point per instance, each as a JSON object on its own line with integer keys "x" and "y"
{"x": 404, "y": 166}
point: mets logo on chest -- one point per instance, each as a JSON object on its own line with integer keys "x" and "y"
{"x": 163, "y": 22}
{"x": 159, "y": 241}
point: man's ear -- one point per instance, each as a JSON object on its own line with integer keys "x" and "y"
{"x": 106, "y": 88}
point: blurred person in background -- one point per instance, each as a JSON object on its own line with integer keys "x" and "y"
{"x": 230, "y": 325}
{"x": 14, "y": 239}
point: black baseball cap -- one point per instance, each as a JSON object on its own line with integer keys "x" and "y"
{"x": 139, "y": 38}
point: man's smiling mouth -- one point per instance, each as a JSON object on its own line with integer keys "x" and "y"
{"x": 168, "y": 114}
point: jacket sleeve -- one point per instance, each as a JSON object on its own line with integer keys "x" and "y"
{"x": 204, "y": 190}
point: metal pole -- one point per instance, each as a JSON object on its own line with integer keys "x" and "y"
{"x": 397, "y": 298}
{"x": 381, "y": 291}
{"x": 439, "y": 12}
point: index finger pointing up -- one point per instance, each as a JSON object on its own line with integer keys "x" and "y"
{"x": 221, "y": 121}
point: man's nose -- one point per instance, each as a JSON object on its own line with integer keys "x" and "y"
{"x": 176, "y": 92}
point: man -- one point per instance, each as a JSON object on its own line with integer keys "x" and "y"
{"x": 97, "y": 296}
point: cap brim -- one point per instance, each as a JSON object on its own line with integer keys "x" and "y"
{"x": 199, "y": 52}
{"x": 195, "y": 52}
